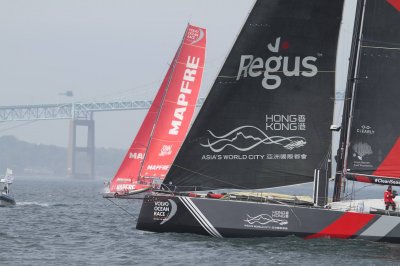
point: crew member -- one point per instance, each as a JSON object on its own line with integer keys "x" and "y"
{"x": 388, "y": 198}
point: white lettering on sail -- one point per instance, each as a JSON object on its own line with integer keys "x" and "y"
{"x": 125, "y": 187}
{"x": 136, "y": 155}
{"x": 158, "y": 167}
{"x": 285, "y": 122}
{"x": 189, "y": 76}
{"x": 255, "y": 66}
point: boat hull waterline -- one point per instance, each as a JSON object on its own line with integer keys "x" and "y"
{"x": 228, "y": 218}
{"x": 6, "y": 201}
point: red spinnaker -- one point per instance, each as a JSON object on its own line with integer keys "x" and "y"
{"x": 169, "y": 115}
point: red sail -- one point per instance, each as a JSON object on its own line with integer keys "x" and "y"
{"x": 179, "y": 104}
{"x": 159, "y": 115}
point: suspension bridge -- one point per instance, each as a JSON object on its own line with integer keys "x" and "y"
{"x": 79, "y": 115}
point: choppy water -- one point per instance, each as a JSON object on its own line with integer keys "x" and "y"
{"x": 67, "y": 222}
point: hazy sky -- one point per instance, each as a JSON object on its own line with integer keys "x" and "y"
{"x": 106, "y": 50}
{"x": 102, "y": 50}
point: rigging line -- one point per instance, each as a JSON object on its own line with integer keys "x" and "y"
{"x": 210, "y": 177}
{"x": 351, "y": 194}
{"x": 381, "y": 47}
{"x": 121, "y": 208}
{"x": 354, "y": 192}
{"x": 325, "y": 159}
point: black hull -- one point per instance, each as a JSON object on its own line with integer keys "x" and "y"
{"x": 241, "y": 219}
{"x": 6, "y": 200}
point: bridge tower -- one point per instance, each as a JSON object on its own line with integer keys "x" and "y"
{"x": 81, "y": 158}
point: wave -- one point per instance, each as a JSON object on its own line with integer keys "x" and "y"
{"x": 256, "y": 137}
{"x": 32, "y": 203}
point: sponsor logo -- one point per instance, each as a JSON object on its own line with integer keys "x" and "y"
{"x": 164, "y": 210}
{"x": 189, "y": 76}
{"x": 285, "y": 122}
{"x": 277, "y": 220}
{"x": 387, "y": 181}
{"x": 269, "y": 156}
{"x": 276, "y": 65}
{"x": 121, "y": 187}
{"x": 157, "y": 167}
{"x": 248, "y": 137}
{"x": 165, "y": 150}
{"x": 136, "y": 155}
{"x": 361, "y": 149}
{"x": 195, "y": 35}
{"x": 121, "y": 179}
{"x": 367, "y": 130}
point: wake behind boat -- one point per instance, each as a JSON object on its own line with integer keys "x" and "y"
{"x": 166, "y": 123}
{"x": 266, "y": 123}
{"x": 5, "y": 198}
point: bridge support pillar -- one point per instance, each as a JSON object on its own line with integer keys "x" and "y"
{"x": 81, "y": 158}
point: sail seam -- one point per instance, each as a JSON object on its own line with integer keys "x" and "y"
{"x": 188, "y": 44}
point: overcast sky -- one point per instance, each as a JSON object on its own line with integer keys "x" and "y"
{"x": 102, "y": 50}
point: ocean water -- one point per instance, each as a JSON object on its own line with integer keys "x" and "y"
{"x": 60, "y": 221}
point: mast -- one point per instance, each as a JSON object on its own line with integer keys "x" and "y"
{"x": 348, "y": 101}
{"x": 162, "y": 102}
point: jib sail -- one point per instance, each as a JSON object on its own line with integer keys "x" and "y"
{"x": 166, "y": 123}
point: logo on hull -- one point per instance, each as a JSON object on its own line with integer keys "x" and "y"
{"x": 164, "y": 210}
{"x": 277, "y": 220}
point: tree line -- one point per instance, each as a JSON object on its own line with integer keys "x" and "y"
{"x": 37, "y": 159}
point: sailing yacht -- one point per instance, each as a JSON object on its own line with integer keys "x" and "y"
{"x": 5, "y": 197}
{"x": 267, "y": 123}
{"x": 166, "y": 124}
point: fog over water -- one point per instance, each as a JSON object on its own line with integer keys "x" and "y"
{"x": 105, "y": 50}
{"x": 102, "y": 50}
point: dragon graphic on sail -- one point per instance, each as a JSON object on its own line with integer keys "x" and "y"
{"x": 247, "y": 137}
